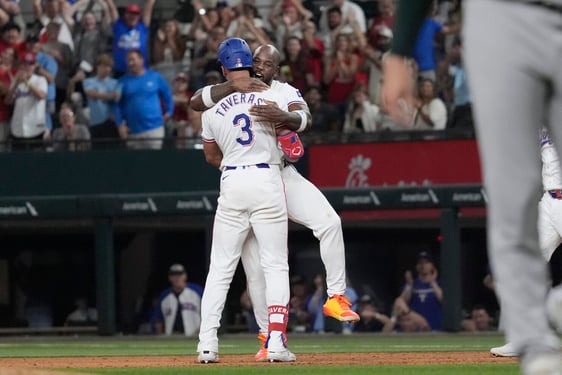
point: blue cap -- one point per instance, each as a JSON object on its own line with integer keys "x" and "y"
{"x": 234, "y": 53}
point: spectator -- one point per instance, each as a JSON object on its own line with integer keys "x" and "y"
{"x": 349, "y": 12}
{"x": 102, "y": 92}
{"x": 11, "y": 38}
{"x": 371, "y": 319}
{"x": 362, "y": 116}
{"x": 169, "y": 46}
{"x": 83, "y": 315}
{"x": 180, "y": 122}
{"x": 138, "y": 114}
{"x": 424, "y": 52}
{"x": 372, "y": 61}
{"x": 47, "y": 67}
{"x": 314, "y": 51}
{"x": 7, "y": 71}
{"x": 325, "y": 116}
{"x": 90, "y": 41}
{"x": 406, "y": 319}
{"x": 339, "y": 73}
{"x": 70, "y": 136}
{"x": 247, "y": 22}
{"x": 315, "y": 302}
{"x": 335, "y": 24}
{"x": 204, "y": 21}
{"x": 462, "y": 108}
{"x": 295, "y": 68}
{"x": 286, "y": 19}
{"x": 28, "y": 94}
{"x": 50, "y": 12}
{"x": 64, "y": 57}
{"x": 130, "y": 32}
{"x": 478, "y": 321}
{"x": 424, "y": 294}
{"x": 299, "y": 317}
{"x": 385, "y": 19}
{"x": 180, "y": 306}
{"x": 206, "y": 58}
{"x": 431, "y": 113}
{"x": 98, "y": 8}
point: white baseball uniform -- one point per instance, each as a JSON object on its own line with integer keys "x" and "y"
{"x": 306, "y": 205}
{"x": 550, "y": 205}
{"x": 251, "y": 197}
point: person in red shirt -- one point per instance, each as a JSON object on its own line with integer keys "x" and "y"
{"x": 11, "y": 38}
{"x": 7, "y": 72}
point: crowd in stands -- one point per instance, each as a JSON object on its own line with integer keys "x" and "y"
{"x": 93, "y": 58}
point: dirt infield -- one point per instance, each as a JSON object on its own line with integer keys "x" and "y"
{"x": 318, "y": 359}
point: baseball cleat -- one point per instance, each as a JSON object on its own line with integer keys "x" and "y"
{"x": 281, "y": 356}
{"x": 554, "y": 307}
{"x": 261, "y": 355}
{"x": 506, "y": 350}
{"x": 338, "y": 307}
{"x": 207, "y": 356}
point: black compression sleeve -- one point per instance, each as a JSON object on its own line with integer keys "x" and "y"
{"x": 409, "y": 18}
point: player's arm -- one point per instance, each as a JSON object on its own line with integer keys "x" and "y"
{"x": 213, "y": 153}
{"x": 298, "y": 118}
{"x": 206, "y": 97}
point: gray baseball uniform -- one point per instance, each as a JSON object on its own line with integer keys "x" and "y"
{"x": 513, "y": 55}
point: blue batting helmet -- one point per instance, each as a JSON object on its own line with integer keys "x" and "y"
{"x": 234, "y": 53}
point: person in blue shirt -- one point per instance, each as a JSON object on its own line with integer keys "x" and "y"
{"x": 130, "y": 32}
{"x": 139, "y": 114}
{"x": 102, "y": 92}
{"x": 423, "y": 294}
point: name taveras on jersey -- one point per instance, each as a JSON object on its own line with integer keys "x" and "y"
{"x": 236, "y": 99}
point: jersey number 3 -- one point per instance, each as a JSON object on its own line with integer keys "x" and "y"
{"x": 245, "y": 122}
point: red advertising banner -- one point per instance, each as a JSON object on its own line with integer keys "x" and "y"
{"x": 395, "y": 163}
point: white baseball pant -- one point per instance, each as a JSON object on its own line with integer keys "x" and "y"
{"x": 306, "y": 205}
{"x": 250, "y": 198}
{"x": 549, "y": 224}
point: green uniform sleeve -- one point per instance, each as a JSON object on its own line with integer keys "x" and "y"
{"x": 409, "y": 18}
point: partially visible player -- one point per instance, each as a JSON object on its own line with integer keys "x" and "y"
{"x": 251, "y": 197}
{"x": 550, "y": 217}
{"x": 515, "y": 79}
{"x": 305, "y": 203}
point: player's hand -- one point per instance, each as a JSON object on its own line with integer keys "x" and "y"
{"x": 248, "y": 85}
{"x": 268, "y": 112}
{"x": 397, "y": 93}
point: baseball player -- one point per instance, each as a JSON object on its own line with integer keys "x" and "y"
{"x": 515, "y": 77}
{"x": 305, "y": 203}
{"x": 550, "y": 216}
{"x": 251, "y": 197}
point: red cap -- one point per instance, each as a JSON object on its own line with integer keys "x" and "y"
{"x": 29, "y": 57}
{"x": 133, "y": 8}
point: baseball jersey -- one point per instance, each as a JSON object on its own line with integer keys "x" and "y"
{"x": 551, "y": 173}
{"x": 189, "y": 303}
{"x": 242, "y": 140}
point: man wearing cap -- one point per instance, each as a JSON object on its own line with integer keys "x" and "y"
{"x": 180, "y": 305}
{"x": 424, "y": 294}
{"x": 28, "y": 94}
{"x": 130, "y": 32}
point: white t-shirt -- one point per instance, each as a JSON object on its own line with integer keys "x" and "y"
{"x": 437, "y": 112}
{"x": 551, "y": 173}
{"x": 28, "y": 118}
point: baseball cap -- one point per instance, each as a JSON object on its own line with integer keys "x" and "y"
{"x": 133, "y": 8}
{"x": 28, "y": 57}
{"x": 425, "y": 255}
{"x": 385, "y": 31}
{"x": 176, "y": 269}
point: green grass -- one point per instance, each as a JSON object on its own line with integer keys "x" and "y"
{"x": 245, "y": 344}
{"x": 248, "y": 344}
{"x": 323, "y": 370}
